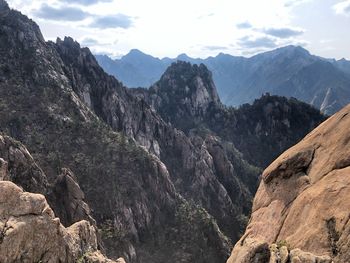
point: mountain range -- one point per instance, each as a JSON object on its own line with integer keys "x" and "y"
{"x": 92, "y": 170}
{"x": 290, "y": 71}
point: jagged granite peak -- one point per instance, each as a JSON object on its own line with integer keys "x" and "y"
{"x": 3, "y": 6}
{"x": 241, "y": 80}
{"x": 183, "y": 93}
{"x": 302, "y": 200}
{"x": 70, "y": 113}
{"x": 189, "y": 163}
{"x": 193, "y": 81}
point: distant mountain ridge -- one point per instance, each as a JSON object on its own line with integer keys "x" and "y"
{"x": 289, "y": 71}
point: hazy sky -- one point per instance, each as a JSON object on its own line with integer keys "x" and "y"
{"x": 199, "y": 28}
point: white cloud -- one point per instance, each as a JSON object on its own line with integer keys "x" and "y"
{"x": 283, "y": 32}
{"x": 342, "y": 8}
{"x": 199, "y": 28}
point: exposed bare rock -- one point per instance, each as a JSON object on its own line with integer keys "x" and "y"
{"x": 18, "y": 166}
{"x": 97, "y": 257}
{"x": 303, "y": 197}
{"x": 29, "y": 231}
{"x": 69, "y": 199}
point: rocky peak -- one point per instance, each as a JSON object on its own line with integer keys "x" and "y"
{"x": 302, "y": 201}
{"x": 68, "y": 42}
{"x": 292, "y": 50}
{"x": 184, "y": 92}
{"x": 3, "y": 6}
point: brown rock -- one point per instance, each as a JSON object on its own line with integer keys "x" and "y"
{"x": 303, "y": 197}
{"x": 29, "y": 232}
{"x": 3, "y": 170}
{"x": 284, "y": 254}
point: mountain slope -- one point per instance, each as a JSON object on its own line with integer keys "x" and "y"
{"x": 135, "y": 69}
{"x": 28, "y": 223}
{"x": 302, "y": 201}
{"x": 40, "y": 106}
{"x": 157, "y": 193}
{"x": 289, "y": 71}
{"x": 188, "y": 160}
{"x": 186, "y": 96}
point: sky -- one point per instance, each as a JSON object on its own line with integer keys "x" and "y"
{"x": 199, "y": 28}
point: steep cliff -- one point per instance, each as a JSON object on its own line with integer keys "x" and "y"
{"x": 31, "y": 233}
{"x": 190, "y": 164}
{"x": 27, "y": 222}
{"x": 186, "y": 97}
{"x": 302, "y": 201}
{"x": 129, "y": 190}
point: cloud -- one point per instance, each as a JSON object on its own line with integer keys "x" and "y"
{"x": 214, "y": 48}
{"x": 291, "y": 3}
{"x": 244, "y": 25}
{"x": 60, "y": 13}
{"x": 112, "y": 21}
{"x": 259, "y": 42}
{"x": 74, "y": 14}
{"x": 86, "y": 2}
{"x": 205, "y": 16}
{"x": 342, "y": 8}
{"x": 283, "y": 32}
{"x": 89, "y": 42}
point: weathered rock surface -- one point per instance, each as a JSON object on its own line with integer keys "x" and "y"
{"x": 188, "y": 161}
{"x": 253, "y": 129}
{"x": 70, "y": 114}
{"x": 129, "y": 190}
{"x": 18, "y": 166}
{"x": 303, "y": 198}
{"x": 69, "y": 200}
{"x": 29, "y": 231}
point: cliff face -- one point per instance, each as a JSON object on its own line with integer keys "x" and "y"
{"x": 183, "y": 94}
{"x": 302, "y": 200}
{"x": 156, "y": 193}
{"x": 130, "y": 192}
{"x": 28, "y": 223}
{"x": 188, "y": 160}
{"x": 186, "y": 97}
{"x": 27, "y": 216}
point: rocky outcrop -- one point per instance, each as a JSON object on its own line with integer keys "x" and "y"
{"x": 253, "y": 129}
{"x": 188, "y": 161}
{"x": 302, "y": 198}
{"x": 18, "y": 166}
{"x": 69, "y": 200}
{"x": 50, "y": 103}
{"x": 183, "y": 94}
{"x": 57, "y": 101}
{"x": 29, "y": 231}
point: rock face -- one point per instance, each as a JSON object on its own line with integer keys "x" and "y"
{"x": 18, "y": 166}
{"x": 183, "y": 94}
{"x": 153, "y": 190}
{"x": 60, "y": 114}
{"x": 29, "y": 232}
{"x": 188, "y": 161}
{"x": 302, "y": 198}
{"x": 253, "y": 129}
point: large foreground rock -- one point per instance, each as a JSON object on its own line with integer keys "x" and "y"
{"x": 303, "y": 198}
{"x": 29, "y": 231}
